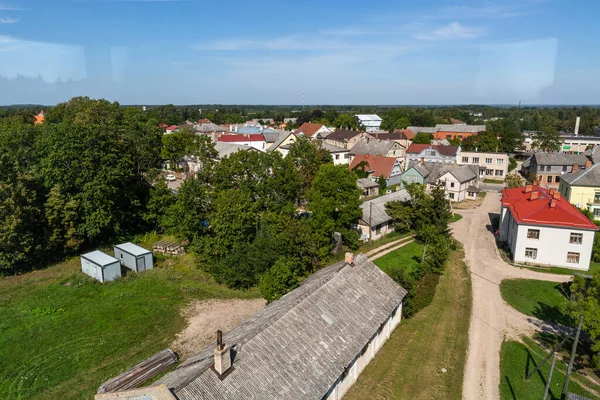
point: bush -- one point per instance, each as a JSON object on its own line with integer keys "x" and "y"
{"x": 280, "y": 279}
{"x": 425, "y": 290}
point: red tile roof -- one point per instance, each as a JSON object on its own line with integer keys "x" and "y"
{"x": 408, "y": 133}
{"x": 308, "y": 129}
{"x": 548, "y": 208}
{"x": 172, "y": 127}
{"x": 242, "y": 138}
{"x": 381, "y": 165}
{"x": 443, "y": 150}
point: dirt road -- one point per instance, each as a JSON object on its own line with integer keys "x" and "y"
{"x": 492, "y": 319}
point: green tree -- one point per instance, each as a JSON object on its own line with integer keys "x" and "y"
{"x": 382, "y": 184}
{"x": 188, "y": 215}
{"x": 422, "y": 138}
{"x": 62, "y": 220}
{"x": 547, "y": 139}
{"x": 346, "y": 121}
{"x": 512, "y": 164}
{"x": 334, "y": 205}
{"x": 176, "y": 145}
{"x": 307, "y": 159}
{"x": 159, "y": 204}
{"x": 361, "y": 169}
{"x": 587, "y": 303}
{"x": 513, "y": 181}
{"x": 281, "y": 278}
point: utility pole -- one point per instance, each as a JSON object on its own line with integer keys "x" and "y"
{"x": 549, "y": 377}
{"x": 370, "y": 215}
{"x": 568, "y": 376}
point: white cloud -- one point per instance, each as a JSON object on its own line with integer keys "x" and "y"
{"x": 350, "y": 32}
{"x": 6, "y": 20}
{"x": 490, "y": 11}
{"x": 451, "y": 32}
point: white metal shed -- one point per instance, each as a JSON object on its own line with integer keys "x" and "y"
{"x": 100, "y": 266}
{"x": 134, "y": 257}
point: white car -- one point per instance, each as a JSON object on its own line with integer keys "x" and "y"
{"x": 171, "y": 178}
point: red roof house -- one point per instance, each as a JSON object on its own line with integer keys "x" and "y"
{"x": 388, "y": 167}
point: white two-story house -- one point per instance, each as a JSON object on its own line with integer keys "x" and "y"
{"x": 541, "y": 227}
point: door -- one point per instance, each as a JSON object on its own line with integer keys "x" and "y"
{"x": 141, "y": 264}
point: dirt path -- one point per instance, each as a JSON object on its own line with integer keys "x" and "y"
{"x": 491, "y": 319}
{"x": 389, "y": 250}
{"x": 204, "y": 318}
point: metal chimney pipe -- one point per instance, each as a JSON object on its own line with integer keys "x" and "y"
{"x": 219, "y": 340}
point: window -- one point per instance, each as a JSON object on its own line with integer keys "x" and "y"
{"x": 596, "y": 212}
{"x": 488, "y": 160}
{"x": 337, "y": 156}
{"x": 533, "y": 233}
{"x": 432, "y": 153}
{"x": 499, "y": 161}
{"x": 451, "y": 184}
{"x": 347, "y": 156}
{"x": 597, "y": 197}
{"x": 573, "y": 258}
{"x": 448, "y": 136}
{"x": 576, "y": 238}
{"x": 465, "y": 159}
{"x": 530, "y": 252}
{"x": 549, "y": 179}
{"x": 451, "y": 195}
{"x": 476, "y": 160}
{"x": 460, "y": 136}
{"x": 489, "y": 172}
{"x": 499, "y": 172}
{"x": 564, "y": 168}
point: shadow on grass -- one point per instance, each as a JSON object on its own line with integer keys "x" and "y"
{"x": 552, "y": 314}
{"x": 512, "y": 391}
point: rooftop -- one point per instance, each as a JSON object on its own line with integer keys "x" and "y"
{"x": 443, "y": 150}
{"x": 542, "y": 158}
{"x": 298, "y": 346}
{"x": 100, "y": 258}
{"x": 368, "y": 117}
{"x": 584, "y": 177}
{"x": 366, "y": 183}
{"x": 133, "y": 249}
{"x": 460, "y": 128}
{"x": 226, "y": 149}
{"x": 232, "y": 137}
{"x": 374, "y": 147}
{"x": 308, "y": 129}
{"x": 374, "y": 210}
{"x": 378, "y": 165}
{"x": 540, "y": 210}
{"x": 342, "y": 135}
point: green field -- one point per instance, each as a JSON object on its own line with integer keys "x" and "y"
{"x": 518, "y": 359}
{"x": 408, "y": 256}
{"x": 390, "y": 237}
{"x": 455, "y": 217}
{"x": 62, "y": 333}
{"x": 409, "y": 364}
{"x": 540, "y": 299}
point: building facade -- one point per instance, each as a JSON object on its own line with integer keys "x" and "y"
{"x": 549, "y": 167}
{"x": 491, "y": 165}
{"x": 582, "y": 189}
{"x": 460, "y": 183}
{"x": 420, "y": 153}
{"x": 371, "y": 122}
{"x": 540, "y": 227}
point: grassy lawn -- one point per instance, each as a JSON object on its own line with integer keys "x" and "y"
{"x": 594, "y": 267}
{"x": 540, "y": 299}
{"x": 498, "y": 181}
{"x": 403, "y": 256}
{"x": 390, "y": 237}
{"x": 518, "y": 359}
{"x": 482, "y": 194}
{"x": 62, "y": 333}
{"x": 409, "y": 365}
{"x": 455, "y": 217}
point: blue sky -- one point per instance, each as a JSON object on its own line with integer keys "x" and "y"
{"x": 271, "y": 52}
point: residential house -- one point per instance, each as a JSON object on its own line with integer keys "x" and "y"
{"x": 461, "y": 182}
{"x": 376, "y": 166}
{"x": 311, "y": 344}
{"x": 548, "y": 167}
{"x": 432, "y": 153}
{"x": 313, "y": 131}
{"x": 208, "y": 128}
{"x": 491, "y": 165}
{"x": 371, "y": 122}
{"x": 368, "y": 187}
{"x": 376, "y": 147}
{"x": 345, "y": 138}
{"x": 582, "y": 188}
{"x": 256, "y": 141}
{"x": 541, "y": 227}
{"x": 402, "y": 137}
{"x": 283, "y": 143}
{"x": 375, "y": 222}
{"x": 225, "y": 149}
{"x": 423, "y": 173}
{"x": 452, "y": 131}
{"x": 339, "y": 155}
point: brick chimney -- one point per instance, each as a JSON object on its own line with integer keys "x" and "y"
{"x": 575, "y": 167}
{"x": 349, "y": 258}
{"x": 533, "y": 196}
{"x": 528, "y": 189}
{"x": 556, "y": 195}
{"x": 588, "y": 164}
{"x": 553, "y": 203}
{"x": 222, "y": 355}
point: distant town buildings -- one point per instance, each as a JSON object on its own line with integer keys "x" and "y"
{"x": 371, "y": 122}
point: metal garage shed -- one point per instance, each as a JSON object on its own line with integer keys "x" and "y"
{"x": 134, "y": 257}
{"x": 100, "y": 266}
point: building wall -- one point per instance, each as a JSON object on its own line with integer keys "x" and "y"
{"x": 110, "y": 273}
{"x": 581, "y": 196}
{"x": 351, "y": 373}
{"x": 552, "y": 245}
{"x": 577, "y": 145}
{"x": 379, "y": 231}
{"x": 341, "y": 158}
{"x": 451, "y": 135}
{"x": 496, "y": 168}
{"x": 258, "y": 145}
{"x": 130, "y": 261}
{"x": 456, "y": 191}
{"x": 436, "y": 157}
{"x": 412, "y": 176}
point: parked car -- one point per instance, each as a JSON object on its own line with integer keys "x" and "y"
{"x": 171, "y": 178}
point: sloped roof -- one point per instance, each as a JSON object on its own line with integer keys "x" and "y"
{"x": 332, "y": 149}
{"x": 308, "y": 129}
{"x": 443, "y": 150}
{"x": 298, "y": 346}
{"x": 380, "y": 165}
{"x": 424, "y": 129}
{"x": 374, "y": 147}
{"x": 540, "y": 212}
{"x": 232, "y": 137}
{"x": 542, "y": 158}
{"x": 272, "y": 136}
{"x": 368, "y": 117}
{"x": 584, "y": 177}
{"x": 342, "y": 135}
{"x": 408, "y": 133}
{"x": 226, "y": 149}
{"x": 460, "y": 128}
{"x": 366, "y": 183}
{"x": 462, "y": 173}
{"x": 209, "y": 127}
{"x": 375, "y": 209}
{"x": 282, "y": 137}
{"x": 593, "y": 154}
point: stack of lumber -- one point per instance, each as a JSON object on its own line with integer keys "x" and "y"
{"x": 139, "y": 374}
{"x": 166, "y": 247}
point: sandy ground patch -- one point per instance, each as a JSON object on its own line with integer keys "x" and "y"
{"x": 204, "y": 318}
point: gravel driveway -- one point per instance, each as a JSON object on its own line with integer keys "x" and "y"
{"x": 492, "y": 320}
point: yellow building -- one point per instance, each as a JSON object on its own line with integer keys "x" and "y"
{"x": 582, "y": 188}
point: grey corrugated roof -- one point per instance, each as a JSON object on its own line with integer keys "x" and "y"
{"x": 542, "y": 158}
{"x": 226, "y": 149}
{"x": 584, "y": 177}
{"x": 425, "y": 129}
{"x": 366, "y": 183}
{"x": 209, "y": 127}
{"x": 374, "y": 147}
{"x": 460, "y": 128}
{"x": 463, "y": 173}
{"x": 133, "y": 249}
{"x": 377, "y": 212}
{"x": 100, "y": 258}
{"x": 298, "y": 346}
{"x": 593, "y": 154}
{"x": 271, "y": 136}
{"x": 331, "y": 148}
{"x": 280, "y": 140}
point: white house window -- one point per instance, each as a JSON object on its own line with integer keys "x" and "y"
{"x": 530, "y": 252}
{"x": 337, "y": 156}
{"x": 576, "y": 238}
{"x": 451, "y": 195}
{"x": 597, "y": 197}
{"x": 488, "y": 160}
{"x": 573, "y": 258}
{"x": 451, "y": 184}
{"x": 597, "y": 212}
{"x": 465, "y": 159}
{"x": 533, "y": 233}
{"x": 499, "y": 161}
{"x": 499, "y": 172}
{"x": 475, "y": 160}
{"x": 347, "y": 156}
